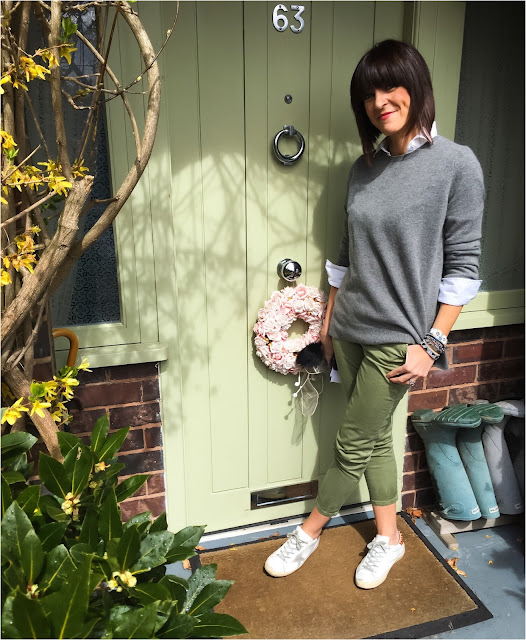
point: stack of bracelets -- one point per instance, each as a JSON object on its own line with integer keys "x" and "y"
{"x": 434, "y": 343}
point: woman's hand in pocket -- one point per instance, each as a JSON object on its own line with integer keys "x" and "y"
{"x": 417, "y": 365}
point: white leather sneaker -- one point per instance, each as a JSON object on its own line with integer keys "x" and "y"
{"x": 373, "y": 569}
{"x": 292, "y": 554}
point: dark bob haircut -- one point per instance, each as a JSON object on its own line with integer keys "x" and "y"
{"x": 392, "y": 64}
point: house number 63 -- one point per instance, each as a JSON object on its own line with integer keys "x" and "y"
{"x": 281, "y": 22}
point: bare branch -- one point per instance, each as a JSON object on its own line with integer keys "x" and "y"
{"x": 29, "y": 209}
{"x": 8, "y": 175}
{"x": 56, "y": 95}
{"x": 94, "y": 203}
{"x": 71, "y": 101}
{"x": 96, "y": 96}
{"x": 120, "y": 90}
{"x": 41, "y": 17}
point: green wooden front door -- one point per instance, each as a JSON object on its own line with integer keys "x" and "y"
{"x": 231, "y": 427}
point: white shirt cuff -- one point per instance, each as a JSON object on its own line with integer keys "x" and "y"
{"x": 458, "y": 291}
{"x": 335, "y": 273}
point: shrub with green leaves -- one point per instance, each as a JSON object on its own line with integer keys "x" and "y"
{"x": 72, "y": 569}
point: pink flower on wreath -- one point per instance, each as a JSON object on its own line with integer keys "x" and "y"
{"x": 272, "y": 341}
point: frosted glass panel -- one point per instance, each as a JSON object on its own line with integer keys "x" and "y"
{"x": 490, "y": 120}
{"x": 90, "y": 293}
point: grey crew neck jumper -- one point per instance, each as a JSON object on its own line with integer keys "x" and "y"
{"x": 411, "y": 220}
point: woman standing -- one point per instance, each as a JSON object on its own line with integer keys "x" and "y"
{"x": 407, "y": 264}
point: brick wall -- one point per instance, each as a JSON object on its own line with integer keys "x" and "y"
{"x": 484, "y": 364}
{"x": 130, "y": 394}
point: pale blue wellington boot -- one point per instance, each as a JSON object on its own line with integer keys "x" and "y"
{"x": 438, "y": 431}
{"x": 469, "y": 444}
{"x": 505, "y": 485}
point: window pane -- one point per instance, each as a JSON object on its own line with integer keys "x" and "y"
{"x": 90, "y": 294}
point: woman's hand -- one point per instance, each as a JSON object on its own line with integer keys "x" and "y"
{"x": 417, "y": 365}
{"x": 326, "y": 340}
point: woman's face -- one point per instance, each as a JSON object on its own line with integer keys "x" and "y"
{"x": 388, "y": 109}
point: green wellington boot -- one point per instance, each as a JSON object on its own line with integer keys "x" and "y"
{"x": 438, "y": 431}
{"x": 469, "y": 444}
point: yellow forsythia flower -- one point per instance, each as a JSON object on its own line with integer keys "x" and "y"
{"x": 38, "y": 408}
{"x": 83, "y": 366}
{"x": 5, "y": 278}
{"x": 13, "y": 412}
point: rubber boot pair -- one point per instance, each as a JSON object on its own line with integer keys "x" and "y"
{"x": 506, "y": 466}
{"x": 452, "y": 439}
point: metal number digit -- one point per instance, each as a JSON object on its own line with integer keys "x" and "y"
{"x": 279, "y": 21}
{"x": 297, "y": 16}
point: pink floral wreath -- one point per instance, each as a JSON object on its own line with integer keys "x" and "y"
{"x": 272, "y": 341}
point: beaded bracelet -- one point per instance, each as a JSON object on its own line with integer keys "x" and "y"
{"x": 434, "y": 343}
{"x": 429, "y": 351}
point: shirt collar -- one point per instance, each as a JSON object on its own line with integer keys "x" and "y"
{"x": 415, "y": 143}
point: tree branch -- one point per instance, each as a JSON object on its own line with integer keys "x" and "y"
{"x": 56, "y": 95}
{"x": 30, "y": 208}
{"x": 51, "y": 259}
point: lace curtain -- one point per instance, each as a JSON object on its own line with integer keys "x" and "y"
{"x": 90, "y": 294}
{"x": 490, "y": 120}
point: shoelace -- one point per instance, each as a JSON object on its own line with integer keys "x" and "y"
{"x": 377, "y": 551}
{"x": 292, "y": 545}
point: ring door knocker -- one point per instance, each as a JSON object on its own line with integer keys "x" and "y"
{"x": 290, "y": 131}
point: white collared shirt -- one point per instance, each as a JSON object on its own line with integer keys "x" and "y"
{"x": 454, "y": 291}
{"x": 415, "y": 143}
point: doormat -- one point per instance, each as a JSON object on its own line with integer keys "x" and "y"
{"x": 422, "y": 595}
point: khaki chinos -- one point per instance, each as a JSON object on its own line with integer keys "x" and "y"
{"x": 364, "y": 443}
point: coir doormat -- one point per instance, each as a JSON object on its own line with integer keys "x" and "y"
{"x": 421, "y": 596}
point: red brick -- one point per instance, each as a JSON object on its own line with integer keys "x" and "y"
{"x": 419, "y": 384}
{"x": 413, "y": 443}
{"x": 451, "y": 376}
{"x": 512, "y": 389}
{"x": 423, "y": 480}
{"x": 130, "y": 508}
{"x": 504, "y": 331}
{"x": 428, "y": 400}
{"x": 142, "y": 370}
{"x": 98, "y": 395}
{"x": 135, "y": 416}
{"x": 410, "y": 462}
{"x": 466, "y": 395}
{"x": 153, "y": 437}
{"x": 514, "y": 348}
{"x": 422, "y": 461}
{"x": 93, "y": 376}
{"x": 502, "y": 369}
{"x": 156, "y": 483}
{"x": 465, "y": 335}
{"x": 83, "y": 421}
{"x": 150, "y": 389}
{"x": 408, "y": 499}
{"x": 477, "y": 351}
{"x": 134, "y": 440}
{"x": 408, "y": 482}
{"x": 143, "y": 462}
{"x": 425, "y": 497}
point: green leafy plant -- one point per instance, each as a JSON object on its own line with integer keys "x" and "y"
{"x": 72, "y": 569}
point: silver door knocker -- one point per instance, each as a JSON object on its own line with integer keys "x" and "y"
{"x": 290, "y": 131}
